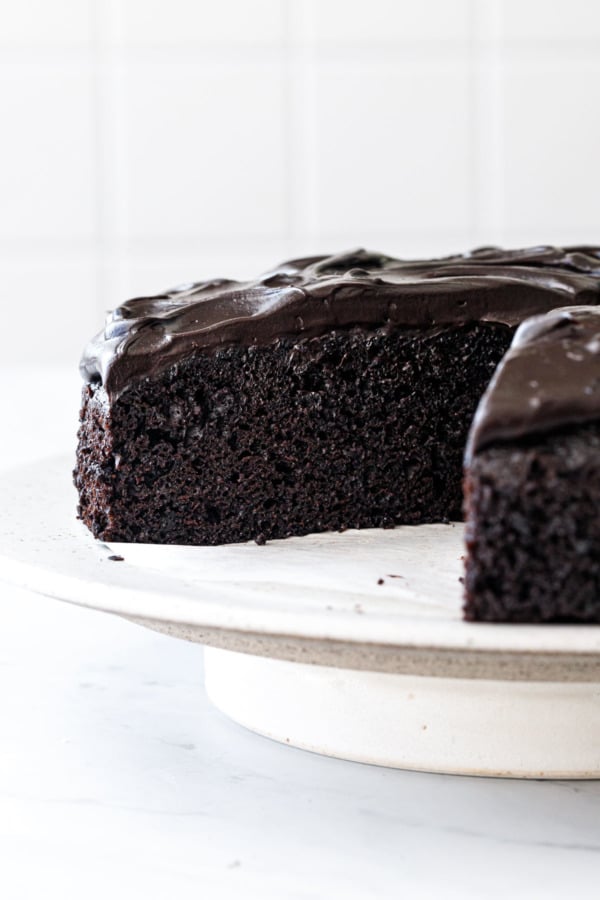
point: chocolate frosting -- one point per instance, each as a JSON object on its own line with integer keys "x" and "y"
{"x": 550, "y": 378}
{"x": 308, "y": 297}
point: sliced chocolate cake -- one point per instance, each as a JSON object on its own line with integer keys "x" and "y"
{"x": 533, "y": 477}
{"x": 332, "y": 393}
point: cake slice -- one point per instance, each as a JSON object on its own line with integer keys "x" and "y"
{"x": 331, "y": 393}
{"x": 532, "y": 488}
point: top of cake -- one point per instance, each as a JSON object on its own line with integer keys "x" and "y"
{"x": 311, "y": 296}
{"x": 550, "y": 378}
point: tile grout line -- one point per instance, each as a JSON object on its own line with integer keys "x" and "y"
{"x": 100, "y": 180}
{"x": 287, "y": 97}
{"x": 486, "y": 135}
{"x": 413, "y": 49}
{"x": 118, "y": 247}
{"x": 497, "y": 139}
{"x": 301, "y": 121}
{"x": 107, "y": 119}
{"x": 474, "y": 161}
{"x": 308, "y": 61}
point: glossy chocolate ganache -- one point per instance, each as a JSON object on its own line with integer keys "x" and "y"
{"x": 550, "y": 378}
{"x": 307, "y": 297}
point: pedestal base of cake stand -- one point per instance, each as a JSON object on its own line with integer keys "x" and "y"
{"x": 433, "y": 692}
{"x": 449, "y": 725}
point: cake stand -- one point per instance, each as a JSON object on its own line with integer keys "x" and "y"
{"x": 347, "y": 644}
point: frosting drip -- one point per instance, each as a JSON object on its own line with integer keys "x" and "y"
{"x": 309, "y": 297}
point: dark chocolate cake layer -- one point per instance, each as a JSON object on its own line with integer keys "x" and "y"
{"x": 533, "y": 529}
{"x": 348, "y": 430}
{"x": 532, "y": 489}
{"x": 333, "y": 392}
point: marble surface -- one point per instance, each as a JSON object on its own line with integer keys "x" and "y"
{"x": 118, "y": 779}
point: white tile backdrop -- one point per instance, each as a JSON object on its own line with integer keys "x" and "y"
{"x": 150, "y": 142}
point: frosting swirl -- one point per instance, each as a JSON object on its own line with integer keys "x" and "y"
{"x": 307, "y": 297}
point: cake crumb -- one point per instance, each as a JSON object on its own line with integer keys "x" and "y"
{"x": 380, "y": 581}
{"x": 395, "y": 576}
{"x": 260, "y": 539}
{"x": 116, "y": 558}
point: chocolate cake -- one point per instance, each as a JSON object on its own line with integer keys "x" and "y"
{"x": 332, "y": 393}
{"x": 533, "y": 477}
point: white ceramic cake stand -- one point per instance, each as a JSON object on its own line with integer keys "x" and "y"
{"x": 346, "y": 644}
